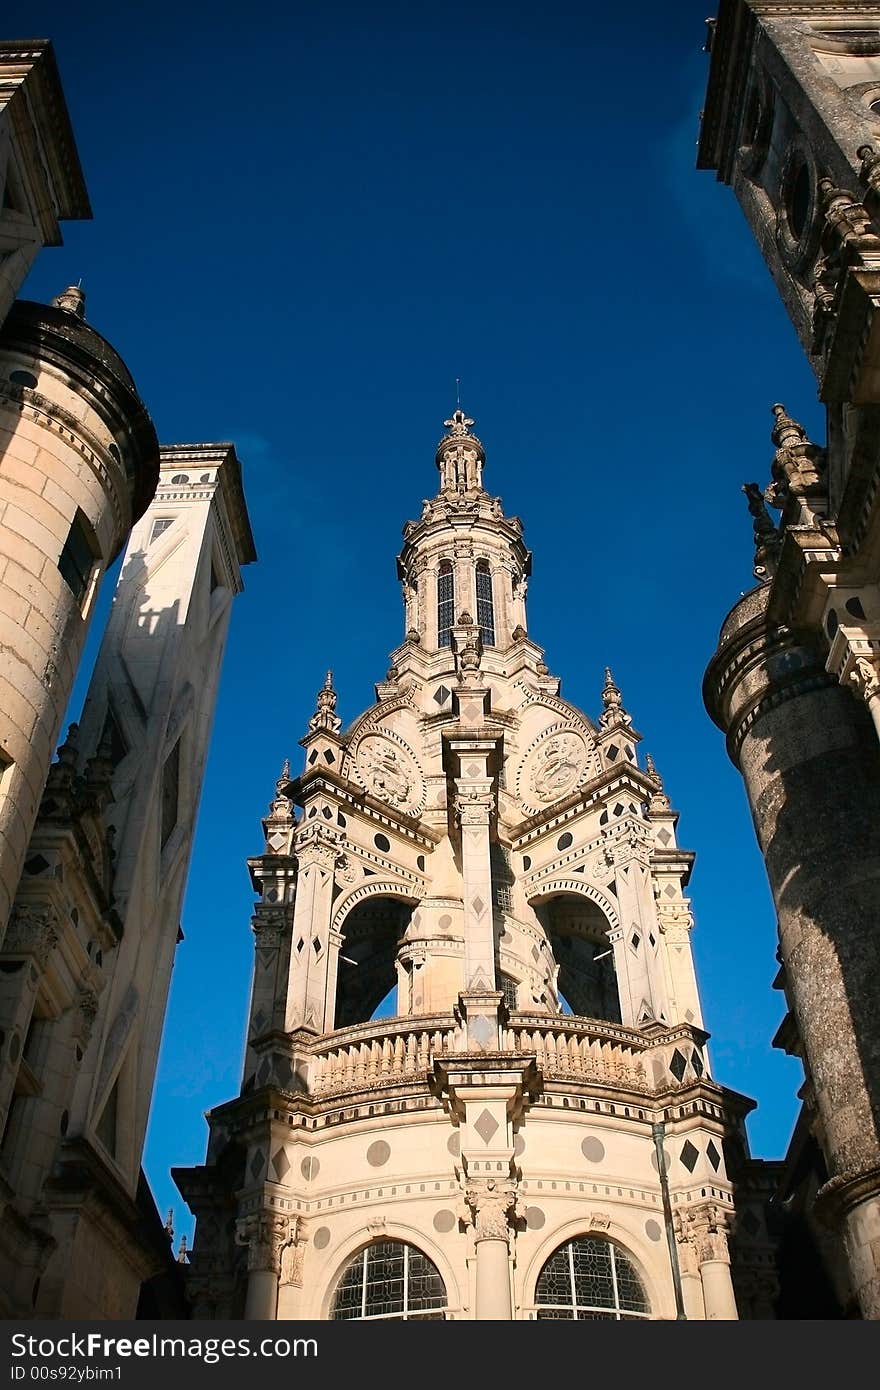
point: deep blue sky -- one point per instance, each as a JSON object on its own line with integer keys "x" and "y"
{"x": 309, "y": 220}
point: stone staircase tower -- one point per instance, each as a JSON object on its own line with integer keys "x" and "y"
{"x": 534, "y": 1132}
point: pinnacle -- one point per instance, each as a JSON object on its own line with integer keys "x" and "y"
{"x": 72, "y": 300}
{"x": 786, "y": 430}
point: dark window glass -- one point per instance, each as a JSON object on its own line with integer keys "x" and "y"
{"x": 445, "y": 604}
{"x": 485, "y": 605}
{"x": 113, "y": 740}
{"x": 78, "y": 558}
{"x": 159, "y": 525}
{"x": 389, "y": 1280}
{"x": 170, "y": 792}
{"x": 799, "y": 201}
{"x": 590, "y": 1280}
{"x": 106, "y": 1126}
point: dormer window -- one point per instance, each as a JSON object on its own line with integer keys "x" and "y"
{"x": 485, "y": 604}
{"x": 445, "y": 604}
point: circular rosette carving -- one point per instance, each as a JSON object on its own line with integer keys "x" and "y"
{"x": 388, "y": 769}
{"x": 555, "y": 765}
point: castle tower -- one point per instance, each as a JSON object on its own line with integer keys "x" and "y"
{"x": 94, "y": 928}
{"x": 792, "y": 122}
{"x": 78, "y": 466}
{"x": 534, "y": 1133}
{"x": 41, "y": 183}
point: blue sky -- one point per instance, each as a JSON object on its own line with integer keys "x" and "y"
{"x": 308, "y": 221}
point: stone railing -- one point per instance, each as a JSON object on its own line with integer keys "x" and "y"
{"x": 367, "y": 1055}
{"x": 579, "y": 1049}
{"x": 391, "y": 1051}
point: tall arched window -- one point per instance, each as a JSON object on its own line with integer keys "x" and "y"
{"x": 445, "y": 604}
{"x": 390, "y": 1280}
{"x": 590, "y": 1280}
{"x": 485, "y": 604}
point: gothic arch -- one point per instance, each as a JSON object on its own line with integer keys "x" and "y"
{"x": 616, "y": 1234}
{"x": 351, "y": 1246}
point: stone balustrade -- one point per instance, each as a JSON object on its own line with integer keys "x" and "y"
{"x": 579, "y": 1049}
{"x": 391, "y": 1051}
{"x": 367, "y": 1055}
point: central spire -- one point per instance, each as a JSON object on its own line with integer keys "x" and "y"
{"x": 460, "y": 458}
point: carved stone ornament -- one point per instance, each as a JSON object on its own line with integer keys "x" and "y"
{"x": 265, "y": 1235}
{"x": 489, "y": 1204}
{"x": 710, "y": 1234}
{"x": 293, "y": 1253}
{"x": 554, "y": 766}
{"x": 86, "y": 1011}
{"x": 32, "y": 931}
{"x": 864, "y": 678}
{"x": 389, "y": 770}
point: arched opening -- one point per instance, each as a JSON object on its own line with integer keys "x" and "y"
{"x": 392, "y": 1280}
{"x": 578, "y": 934}
{"x": 445, "y": 603}
{"x": 367, "y": 973}
{"x": 485, "y": 603}
{"x": 590, "y": 1280}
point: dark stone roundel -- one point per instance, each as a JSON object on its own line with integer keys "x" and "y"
{"x": 652, "y": 1229}
{"x": 593, "y": 1149}
{"x": 309, "y": 1168}
{"x": 445, "y": 922}
{"x": 535, "y": 1218}
{"x": 453, "y": 1144}
{"x": 321, "y": 1238}
{"x": 378, "y": 1153}
{"x": 519, "y": 1146}
{"x": 444, "y": 1221}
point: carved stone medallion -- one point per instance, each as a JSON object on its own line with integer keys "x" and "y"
{"x": 553, "y": 767}
{"x": 390, "y": 772}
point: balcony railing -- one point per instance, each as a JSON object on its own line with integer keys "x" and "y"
{"x": 394, "y": 1051}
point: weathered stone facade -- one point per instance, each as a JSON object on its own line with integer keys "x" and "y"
{"x": 792, "y": 122}
{"x": 94, "y": 850}
{"x": 510, "y": 866}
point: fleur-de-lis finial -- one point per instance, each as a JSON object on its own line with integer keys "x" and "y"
{"x": 458, "y": 423}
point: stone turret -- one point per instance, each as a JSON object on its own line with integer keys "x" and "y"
{"x": 474, "y": 996}
{"x": 79, "y": 463}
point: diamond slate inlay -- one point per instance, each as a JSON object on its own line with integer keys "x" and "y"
{"x": 479, "y": 906}
{"x": 281, "y": 1163}
{"x": 486, "y": 1126}
{"x": 677, "y": 1065}
{"x": 713, "y": 1155}
{"x": 441, "y": 694}
{"x": 689, "y": 1155}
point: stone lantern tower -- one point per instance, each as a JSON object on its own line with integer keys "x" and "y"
{"x": 534, "y": 1132}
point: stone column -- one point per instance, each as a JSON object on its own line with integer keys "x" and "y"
{"x": 265, "y": 1235}
{"x": 865, "y": 680}
{"x": 488, "y": 1203}
{"x": 714, "y": 1259}
{"x": 638, "y": 984}
{"x": 473, "y": 807}
{"x": 308, "y": 1004}
{"x": 810, "y": 758}
{"x": 689, "y": 1266}
{"x": 290, "y": 1281}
